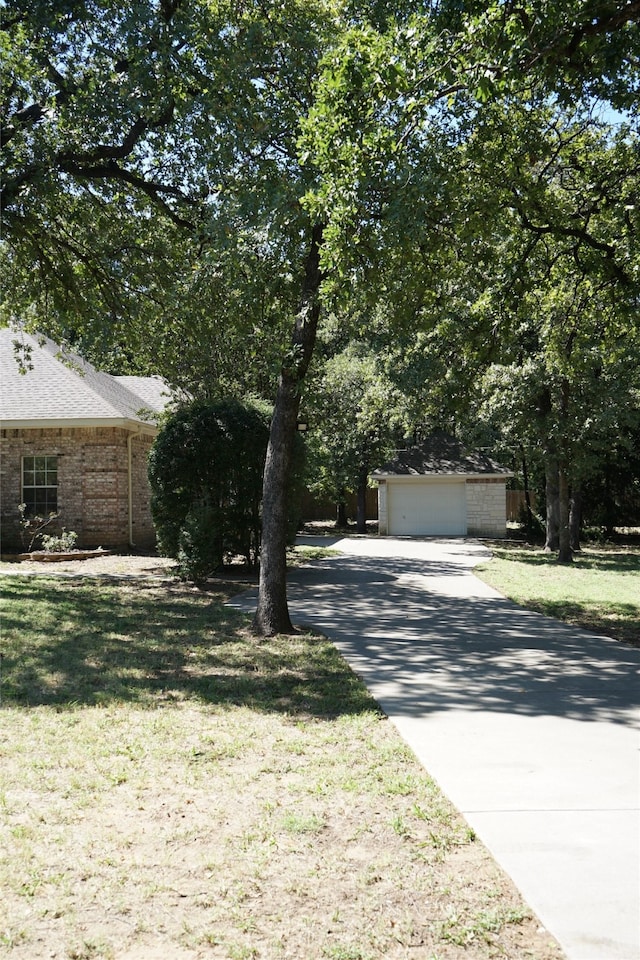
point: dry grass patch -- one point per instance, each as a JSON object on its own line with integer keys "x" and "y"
{"x": 173, "y": 789}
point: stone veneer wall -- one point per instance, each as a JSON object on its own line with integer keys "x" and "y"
{"x": 486, "y": 508}
{"x": 383, "y": 519}
{"x": 93, "y": 483}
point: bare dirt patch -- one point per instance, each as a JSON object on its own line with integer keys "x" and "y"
{"x": 110, "y": 565}
{"x": 190, "y": 834}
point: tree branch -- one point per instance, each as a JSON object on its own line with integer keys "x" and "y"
{"x": 576, "y": 233}
{"x": 153, "y": 189}
{"x": 567, "y": 43}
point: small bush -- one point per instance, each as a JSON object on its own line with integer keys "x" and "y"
{"x": 594, "y": 534}
{"x": 31, "y": 528}
{"x": 532, "y": 524}
{"x": 63, "y": 543}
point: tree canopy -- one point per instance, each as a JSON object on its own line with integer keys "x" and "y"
{"x": 193, "y": 182}
{"x": 356, "y": 417}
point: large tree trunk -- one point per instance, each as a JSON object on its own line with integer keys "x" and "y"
{"x": 527, "y": 493}
{"x": 575, "y": 516}
{"x": 564, "y": 539}
{"x": 361, "y": 514}
{"x": 341, "y": 513}
{"x": 272, "y": 613}
{"x": 552, "y": 541}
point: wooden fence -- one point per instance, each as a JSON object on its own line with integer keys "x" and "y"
{"x": 516, "y": 502}
{"x": 318, "y": 508}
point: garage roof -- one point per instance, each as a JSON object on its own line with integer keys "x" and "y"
{"x": 442, "y": 455}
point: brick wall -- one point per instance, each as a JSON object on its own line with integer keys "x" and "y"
{"x": 486, "y": 508}
{"x": 144, "y": 534}
{"x": 93, "y": 483}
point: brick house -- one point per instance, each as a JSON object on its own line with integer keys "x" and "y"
{"x": 438, "y": 488}
{"x": 76, "y": 441}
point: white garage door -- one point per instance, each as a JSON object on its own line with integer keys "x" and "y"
{"x": 426, "y": 509}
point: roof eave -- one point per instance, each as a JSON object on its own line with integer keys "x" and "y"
{"x": 134, "y": 426}
{"x": 460, "y": 476}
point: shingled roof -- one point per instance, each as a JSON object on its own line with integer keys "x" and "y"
{"x": 59, "y": 388}
{"x": 440, "y": 454}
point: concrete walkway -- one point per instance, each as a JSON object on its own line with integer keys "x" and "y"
{"x": 528, "y": 725}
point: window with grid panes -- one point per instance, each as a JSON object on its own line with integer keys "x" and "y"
{"x": 40, "y": 485}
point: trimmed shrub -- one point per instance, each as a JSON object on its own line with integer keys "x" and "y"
{"x": 205, "y": 471}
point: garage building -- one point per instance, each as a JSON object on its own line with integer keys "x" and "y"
{"x": 439, "y": 489}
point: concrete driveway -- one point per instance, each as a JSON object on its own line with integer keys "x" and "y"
{"x": 529, "y": 726}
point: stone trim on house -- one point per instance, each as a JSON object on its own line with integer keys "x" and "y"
{"x": 383, "y": 516}
{"x": 486, "y": 507}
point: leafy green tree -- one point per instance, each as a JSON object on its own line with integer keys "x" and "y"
{"x": 611, "y": 493}
{"x": 566, "y": 50}
{"x": 537, "y": 272}
{"x": 356, "y": 416}
{"x": 567, "y": 314}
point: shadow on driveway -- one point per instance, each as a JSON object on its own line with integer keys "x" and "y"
{"x": 443, "y": 639}
{"x": 527, "y": 724}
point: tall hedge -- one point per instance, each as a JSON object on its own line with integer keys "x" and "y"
{"x": 205, "y": 471}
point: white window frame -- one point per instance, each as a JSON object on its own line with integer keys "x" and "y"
{"x": 38, "y": 477}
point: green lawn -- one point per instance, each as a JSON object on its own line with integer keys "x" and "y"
{"x": 600, "y": 590}
{"x": 169, "y": 786}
